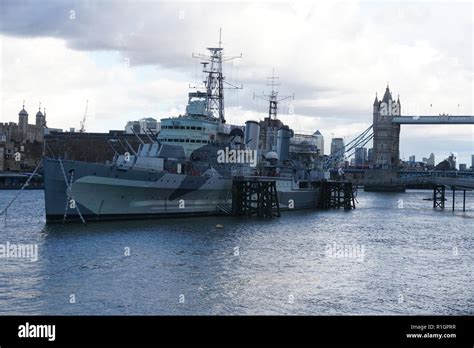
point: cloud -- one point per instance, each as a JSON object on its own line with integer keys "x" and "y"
{"x": 333, "y": 55}
{"x": 63, "y": 79}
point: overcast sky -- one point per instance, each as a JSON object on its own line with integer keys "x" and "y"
{"x": 132, "y": 59}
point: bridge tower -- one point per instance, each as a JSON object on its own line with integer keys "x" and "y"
{"x": 386, "y": 141}
{"x": 386, "y": 152}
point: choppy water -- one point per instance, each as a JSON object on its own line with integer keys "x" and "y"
{"x": 415, "y": 261}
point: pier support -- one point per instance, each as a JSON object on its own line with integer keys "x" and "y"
{"x": 337, "y": 194}
{"x": 255, "y": 197}
{"x": 464, "y": 201}
{"x": 439, "y": 194}
{"x": 454, "y": 196}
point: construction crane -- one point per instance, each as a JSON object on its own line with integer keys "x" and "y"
{"x": 83, "y": 122}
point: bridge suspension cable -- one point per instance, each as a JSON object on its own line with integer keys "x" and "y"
{"x": 362, "y": 144}
{"x": 349, "y": 149}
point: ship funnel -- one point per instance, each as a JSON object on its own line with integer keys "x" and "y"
{"x": 283, "y": 143}
{"x": 252, "y": 133}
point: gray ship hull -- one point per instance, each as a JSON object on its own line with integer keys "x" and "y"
{"x": 105, "y": 192}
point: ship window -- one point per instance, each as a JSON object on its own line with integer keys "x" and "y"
{"x": 175, "y": 140}
{"x": 181, "y": 140}
{"x": 192, "y": 141}
{"x": 187, "y": 127}
{"x": 182, "y": 127}
{"x": 198, "y": 128}
{"x": 176, "y": 127}
{"x": 187, "y": 140}
{"x": 193, "y": 127}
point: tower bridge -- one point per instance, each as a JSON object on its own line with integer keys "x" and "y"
{"x": 387, "y": 120}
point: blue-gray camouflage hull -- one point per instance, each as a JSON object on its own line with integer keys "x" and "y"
{"x": 105, "y": 192}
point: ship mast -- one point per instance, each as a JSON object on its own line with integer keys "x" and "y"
{"x": 273, "y": 98}
{"x": 215, "y": 80}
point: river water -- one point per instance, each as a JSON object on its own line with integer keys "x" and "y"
{"x": 394, "y": 254}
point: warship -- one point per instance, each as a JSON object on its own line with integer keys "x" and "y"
{"x": 187, "y": 168}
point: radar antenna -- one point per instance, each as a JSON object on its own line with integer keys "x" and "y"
{"x": 273, "y": 98}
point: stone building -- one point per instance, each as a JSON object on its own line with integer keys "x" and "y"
{"x": 385, "y": 153}
{"x": 23, "y": 131}
{"x": 24, "y": 139}
{"x": 386, "y": 134}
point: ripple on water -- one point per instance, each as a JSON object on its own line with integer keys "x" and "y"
{"x": 416, "y": 261}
